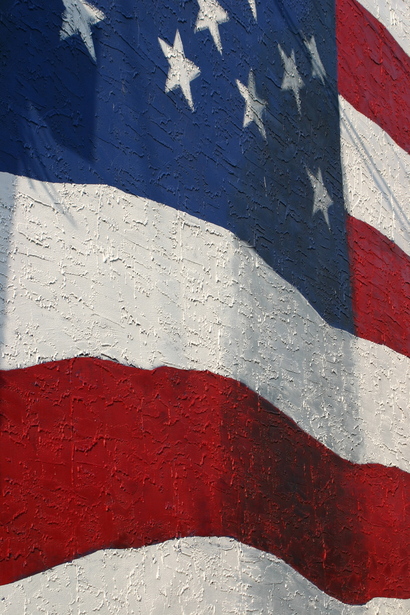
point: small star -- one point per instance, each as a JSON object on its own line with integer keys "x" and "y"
{"x": 252, "y": 4}
{"x": 291, "y": 78}
{"x": 321, "y": 198}
{"x": 210, "y": 15}
{"x": 254, "y": 105}
{"x": 181, "y": 70}
{"x": 318, "y": 70}
{"x": 78, "y": 18}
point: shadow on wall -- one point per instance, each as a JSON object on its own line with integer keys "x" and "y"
{"x": 7, "y": 194}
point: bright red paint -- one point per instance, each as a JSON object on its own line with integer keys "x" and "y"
{"x": 380, "y": 279}
{"x": 373, "y": 76}
{"x": 96, "y": 454}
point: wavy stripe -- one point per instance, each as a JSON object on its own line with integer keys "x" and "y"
{"x": 375, "y": 77}
{"x": 395, "y": 16}
{"x": 113, "y": 456}
{"x": 184, "y": 576}
{"x": 376, "y": 175}
{"x": 380, "y": 287}
{"x": 99, "y": 299}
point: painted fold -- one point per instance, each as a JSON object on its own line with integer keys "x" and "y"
{"x": 97, "y": 455}
{"x": 376, "y": 175}
{"x": 186, "y": 575}
{"x": 375, "y": 77}
{"x": 110, "y": 273}
{"x": 380, "y": 287}
{"x": 99, "y": 299}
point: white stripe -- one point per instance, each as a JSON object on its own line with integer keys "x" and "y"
{"x": 190, "y": 576}
{"x": 395, "y": 16}
{"x": 376, "y": 176}
{"x": 94, "y": 271}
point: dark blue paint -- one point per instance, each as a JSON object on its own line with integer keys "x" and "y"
{"x": 66, "y": 118}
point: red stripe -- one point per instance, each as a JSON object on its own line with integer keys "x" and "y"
{"x": 380, "y": 278}
{"x": 373, "y": 70}
{"x": 97, "y": 455}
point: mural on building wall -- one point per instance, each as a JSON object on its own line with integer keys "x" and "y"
{"x": 205, "y": 306}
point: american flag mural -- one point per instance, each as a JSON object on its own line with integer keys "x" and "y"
{"x": 205, "y": 287}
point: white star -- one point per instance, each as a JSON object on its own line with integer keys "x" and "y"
{"x": 291, "y": 78}
{"x": 181, "y": 70}
{"x": 318, "y": 70}
{"x": 78, "y": 18}
{"x": 210, "y": 15}
{"x": 252, "y": 4}
{"x": 254, "y": 105}
{"x": 321, "y": 198}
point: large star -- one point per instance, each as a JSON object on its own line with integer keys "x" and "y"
{"x": 321, "y": 198}
{"x": 210, "y": 15}
{"x": 291, "y": 78}
{"x": 254, "y": 105}
{"x": 78, "y": 18}
{"x": 181, "y": 70}
{"x": 318, "y": 70}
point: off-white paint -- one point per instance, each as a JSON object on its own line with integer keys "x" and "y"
{"x": 376, "y": 176}
{"x": 181, "y": 70}
{"x": 394, "y": 15}
{"x": 190, "y": 576}
{"x": 78, "y": 18}
{"x": 94, "y": 271}
{"x": 254, "y": 106}
{"x": 210, "y": 16}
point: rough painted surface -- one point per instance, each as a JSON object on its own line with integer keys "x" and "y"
{"x": 376, "y": 177}
{"x": 209, "y": 289}
{"x": 113, "y": 456}
{"x": 226, "y": 117}
{"x": 394, "y": 15}
{"x": 380, "y": 287}
{"x": 189, "y": 576}
{"x": 163, "y": 114}
{"x": 376, "y": 81}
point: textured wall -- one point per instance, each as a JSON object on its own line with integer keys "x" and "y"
{"x": 176, "y": 196}
{"x": 201, "y": 576}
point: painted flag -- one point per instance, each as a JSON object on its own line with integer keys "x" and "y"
{"x": 205, "y": 306}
